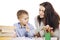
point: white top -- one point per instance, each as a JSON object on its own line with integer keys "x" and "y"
{"x": 39, "y": 29}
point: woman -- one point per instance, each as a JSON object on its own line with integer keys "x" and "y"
{"x": 47, "y": 18}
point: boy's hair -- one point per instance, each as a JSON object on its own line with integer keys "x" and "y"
{"x": 20, "y": 12}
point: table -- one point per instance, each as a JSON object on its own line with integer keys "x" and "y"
{"x": 25, "y": 38}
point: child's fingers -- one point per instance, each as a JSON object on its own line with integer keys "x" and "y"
{"x": 27, "y": 26}
{"x": 27, "y": 30}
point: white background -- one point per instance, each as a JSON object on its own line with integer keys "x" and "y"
{"x": 9, "y": 8}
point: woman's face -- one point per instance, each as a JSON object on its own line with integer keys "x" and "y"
{"x": 41, "y": 11}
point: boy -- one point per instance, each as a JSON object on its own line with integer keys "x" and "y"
{"x": 23, "y": 28}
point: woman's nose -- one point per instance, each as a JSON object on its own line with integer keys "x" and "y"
{"x": 41, "y": 12}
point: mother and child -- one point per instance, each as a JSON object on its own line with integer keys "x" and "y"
{"x": 47, "y": 20}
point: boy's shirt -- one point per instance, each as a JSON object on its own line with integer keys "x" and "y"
{"x": 21, "y": 32}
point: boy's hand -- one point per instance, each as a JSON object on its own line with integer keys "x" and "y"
{"x": 27, "y": 28}
{"x": 14, "y": 35}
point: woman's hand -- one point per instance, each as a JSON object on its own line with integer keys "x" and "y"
{"x": 37, "y": 35}
{"x": 47, "y": 28}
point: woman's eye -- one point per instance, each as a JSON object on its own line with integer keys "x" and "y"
{"x": 43, "y": 10}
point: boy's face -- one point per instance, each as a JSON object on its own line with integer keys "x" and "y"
{"x": 23, "y": 18}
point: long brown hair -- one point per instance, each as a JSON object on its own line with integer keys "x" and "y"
{"x": 50, "y": 16}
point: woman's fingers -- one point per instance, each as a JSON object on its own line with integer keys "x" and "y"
{"x": 47, "y": 28}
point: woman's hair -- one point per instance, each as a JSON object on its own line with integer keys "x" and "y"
{"x": 50, "y": 16}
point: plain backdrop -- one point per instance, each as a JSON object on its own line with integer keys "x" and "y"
{"x": 9, "y": 8}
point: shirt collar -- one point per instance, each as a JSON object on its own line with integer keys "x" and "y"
{"x": 20, "y": 25}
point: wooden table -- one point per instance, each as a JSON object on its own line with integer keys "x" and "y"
{"x": 22, "y": 38}
{"x": 5, "y": 38}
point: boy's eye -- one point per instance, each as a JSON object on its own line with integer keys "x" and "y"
{"x": 26, "y": 18}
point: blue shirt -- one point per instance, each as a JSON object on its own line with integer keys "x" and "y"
{"x": 21, "y": 32}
